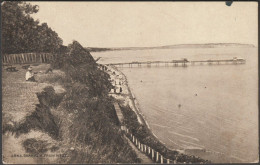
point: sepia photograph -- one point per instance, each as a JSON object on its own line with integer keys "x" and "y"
{"x": 125, "y": 82}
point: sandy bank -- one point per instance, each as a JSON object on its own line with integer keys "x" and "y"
{"x": 126, "y": 95}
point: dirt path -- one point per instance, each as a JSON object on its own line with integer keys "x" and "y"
{"x": 144, "y": 159}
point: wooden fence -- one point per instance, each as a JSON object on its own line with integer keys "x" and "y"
{"x": 27, "y": 58}
{"x": 149, "y": 151}
{"x": 154, "y": 155}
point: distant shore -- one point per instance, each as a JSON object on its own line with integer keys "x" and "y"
{"x": 206, "y": 45}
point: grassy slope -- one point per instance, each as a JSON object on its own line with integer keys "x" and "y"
{"x": 87, "y": 116}
{"x": 19, "y": 101}
{"x": 83, "y": 126}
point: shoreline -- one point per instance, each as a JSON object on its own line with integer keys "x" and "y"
{"x": 129, "y": 99}
{"x": 137, "y": 109}
{"x": 204, "y": 154}
{"x": 133, "y": 99}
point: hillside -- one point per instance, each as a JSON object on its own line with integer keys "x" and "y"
{"x": 66, "y": 112}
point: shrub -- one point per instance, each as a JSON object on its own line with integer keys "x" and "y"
{"x": 35, "y": 147}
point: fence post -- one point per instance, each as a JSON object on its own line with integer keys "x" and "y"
{"x": 14, "y": 57}
{"x": 25, "y": 58}
{"x": 161, "y": 159}
{"x": 157, "y": 156}
{"x": 29, "y": 57}
{"x": 136, "y": 141}
{"x": 40, "y": 58}
{"x": 34, "y": 57}
{"x": 19, "y": 58}
{"x": 22, "y": 58}
{"x": 152, "y": 154}
{"x": 145, "y": 148}
{"x": 11, "y": 59}
{"x": 168, "y": 161}
{"x": 42, "y": 55}
{"x": 142, "y": 148}
{"x": 149, "y": 150}
{"x": 133, "y": 139}
{"x": 139, "y": 146}
{"x": 45, "y": 58}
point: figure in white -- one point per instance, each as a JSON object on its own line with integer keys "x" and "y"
{"x": 29, "y": 76}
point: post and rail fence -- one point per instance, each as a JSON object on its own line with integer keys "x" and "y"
{"x": 154, "y": 155}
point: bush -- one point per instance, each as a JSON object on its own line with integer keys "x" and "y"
{"x": 93, "y": 123}
{"x": 49, "y": 98}
{"x": 35, "y": 147}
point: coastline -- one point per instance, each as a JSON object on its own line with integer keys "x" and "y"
{"x": 136, "y": 107}
{"x": 128, "y": 99}
{"x": 134, "y": 103}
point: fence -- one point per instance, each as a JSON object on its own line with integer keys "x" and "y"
{"x": 149, "y": 151}
{"x": 27, "y": 58}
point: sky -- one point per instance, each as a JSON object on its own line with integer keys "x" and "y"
{"x": 131, "y": 24}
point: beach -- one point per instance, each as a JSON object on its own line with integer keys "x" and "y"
{"x": 128, "y": 99}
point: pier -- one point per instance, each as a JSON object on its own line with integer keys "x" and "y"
{"x": 183, "y": 62}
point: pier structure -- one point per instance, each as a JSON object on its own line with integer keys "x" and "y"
{"x": 183, "y": 62}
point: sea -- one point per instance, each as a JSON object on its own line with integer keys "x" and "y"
{"x": 210, "y": 111}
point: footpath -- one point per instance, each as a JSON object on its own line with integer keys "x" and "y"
{"x": 144, "y": 158}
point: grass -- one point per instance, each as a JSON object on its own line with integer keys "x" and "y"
{"x": 71, "y": 106}
{"x": 19, "y": 114}
{"x": 39, "y": 117}
{"x": 19, "y": 97}
{"x": 86, "y": 113}
{"x": 55, "y": 77}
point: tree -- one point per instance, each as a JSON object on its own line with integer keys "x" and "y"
{"x": 22, "y": 34}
